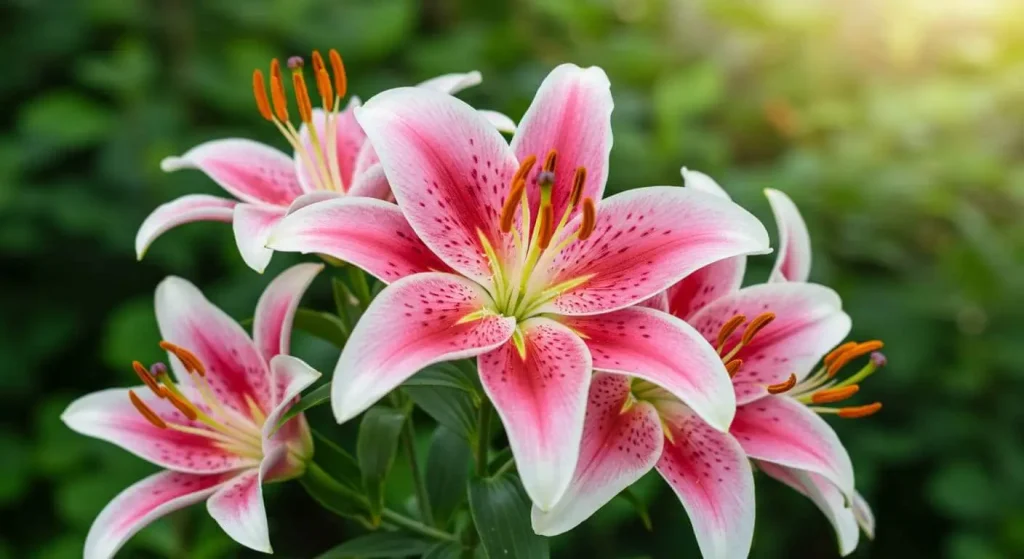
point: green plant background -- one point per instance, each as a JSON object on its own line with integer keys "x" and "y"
{"x": 897, "y": 127}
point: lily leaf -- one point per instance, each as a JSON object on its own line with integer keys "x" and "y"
{"x": 448, "y": 463}
{"x": 380, "y": 544}
{"x": 325, "y": 326}
{"x": 336, "y": 462}
{"x": 640, "y": 507}
{"x": 501, "y": 514}
{"x": 376, "y": 447}
{"x": 444, "y": 550}
{"x": 452, "y": 407}
{"x": 333, "y": 495}
{"x": 319, "y": 395}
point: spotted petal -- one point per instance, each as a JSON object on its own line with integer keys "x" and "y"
{"x": 253, "y": 225}
{"x": 710, "y": 474}
{"x": 644, "y": 241}
{"x": 291, "y": 376}
{"x": 272, "y": 324}
{"x": 250, "y": 171}
{"x": 794, "y": 260}
{"x": 662, "y": 349}
{"x": 187, "y": 209}
{"x": 618, "y": 447}
{"x": 372, "y": 183}
{"x": 417, "y": 321}
{"x": 321, "y": 172}
{"x": 142, "y": 503}
{"x": 371, "y": 234}
{"x": 238, "y": 507}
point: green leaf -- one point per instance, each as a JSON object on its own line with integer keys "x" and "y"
{"x": 452, "y": 407}
{"x": 501, "y": 514}
{"x": 336, "y": 462}
{"x": 380, "y": 544}
{"x": 448, "y": 463}
{"x": 65, "y": 120}
{"x": 332, "y": 495}
{"x": 319, "y": 395}
{"x": 444, "y": 550}
{"x": 375, "y": 449}
{"x": 444, "y": 375}
{"x": 325, "y": 326}
{"x": 640, "y": 506}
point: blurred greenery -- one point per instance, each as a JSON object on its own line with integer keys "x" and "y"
{"x": 897, "y": 127}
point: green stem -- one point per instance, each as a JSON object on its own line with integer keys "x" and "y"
{"x": 504, "y": 468}
{"x": 416, "y": 526}
{"x": 483, "y": 440}
{"x": 409, "y": 444}
{"x": 360, "y": 286}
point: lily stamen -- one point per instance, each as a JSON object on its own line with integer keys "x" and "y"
{"x": 727, "y": 330}
{"x": 833, "y": 395}
{"x": 147, "y": 379}
{"x": 782, "y": 386}
{"x": 756, "y": 325}
{"x": 145, "y": 411}
{"x": 859, "y": 411}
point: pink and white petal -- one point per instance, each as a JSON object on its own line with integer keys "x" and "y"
{"x": 794, "y": 260}
{"x": 659, "y": 302}
{"x": 250, "y": 171}
{"x": 825, "y": 496}
{"x": 809, "y": 322}
{"x": 712, "y": 477}
{"x": 291, "y": 376}
{"x": 253, "y": 225}
{"x": 702, "y": 182}
{"x": 417, "y": 321}
{"x": 187, "y": 209}
{"x": 372, "y": 183}
{"x": 109, "y": 415}
{"x": 618, "y": 447}
{"x": 238, "y": 505}
{"x": 541, "y": 400}
{"x": 145, "y": 501}
{"x": 501, "y": 121}
{"x": 311, "y": 198}
{"x": 341, "y": 158}
{"x": 780, "y": 430}
{"x": 664, "y": 350}
{"x": 368, "y": 233}
{"x": 235, "y": 369}
{"x": 449, "y": 170}
{"x": 452, "y": 83}
{"x": 644, "y": 241}
{"x": 862, "y": 512}
{"x": 715, "y": 280}
{"x": 272, "y": 324}
{"x": 366, "y": 158}
{"x": 571, "y": 114}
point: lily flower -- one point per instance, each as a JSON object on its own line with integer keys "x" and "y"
{"x": 331, "y": 158}
{"x": 508, "y": 256}
{"x": 212, "y": 426}
{"x": 770, "y": 337}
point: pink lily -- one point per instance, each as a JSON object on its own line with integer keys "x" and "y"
{"x": 331, "y": 158}
{"x": 769, "y": 356}
{"x": 511, "y": 260}
{"x": 213, "y": 428}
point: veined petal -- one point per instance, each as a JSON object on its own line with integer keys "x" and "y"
{"x": 189, "y": 208}
{"x": 707, "y": 284}
{"x": 310, "y": 198}
{"x": 253, "y": 225}
{"x": 862, "y": 512}
{"x": 371, "y": 234}
{"x": 272, "y": 324}
{"x": 825, "y": 496}
{"x": 250, "y": 171}
{"x": 809, "y": 322}
{"x": 238, "y": 506}
{"x": 541, "y": 399}
{"x": 417, "y": 321}
{"x": 452, "y": 83}
{"x": 142, "y": 503}
{"x": 702, "y": 182}
{"x": 781, "y": 430}
{"x": 644, "y": 241}
{"x": 502, "y": 122}
{"x": 659, "y": 302}
{"x": 618, "y": 447}
{"x": 662, "y": 349}
{"x": 712, "y": 477}
{"x": 366, "y": 158}
{"x": 794, "y": 260}
{"x": 348, "y": 140}
{"x": 449, "y": 170}
{"x": 372, "y": 183}
{"x": 571, "y": 114}
{"x": 291, "y": 376}
{"x": 234, "y": 368}
{"x": 109, "y": 415}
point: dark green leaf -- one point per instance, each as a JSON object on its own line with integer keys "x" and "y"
{"x": 452, "y": 407}
{"x": 448, "y": 465}
{"x": 501, "y": 514}
{"x": 336, "y": 462}
{"x": 380, "y": 544}
{"x": 325, "y": 326}
{"x": 319, "y": 395}
{"x": 445, "y": 375}
{"x": 332, "y": 495}
{"x": 375, "y": 449}
{"x": 444, "y": 550}
{"x": 640, "y": 506}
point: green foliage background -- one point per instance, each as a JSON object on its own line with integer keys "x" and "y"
{"x": 898, "y": 128}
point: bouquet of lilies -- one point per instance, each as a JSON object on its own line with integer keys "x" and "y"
{"x": 564, "y": 342}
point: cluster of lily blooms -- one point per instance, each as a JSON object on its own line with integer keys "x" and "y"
{"x": 611, "y": 335}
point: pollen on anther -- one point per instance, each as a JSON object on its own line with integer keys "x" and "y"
{"x": 732, "y": 366}
{"x": 860, "y": 411}
{"x": 850, "y": 354}
{"x": 728, "y": 328}
{"x": 839, "y": 350}
{"x": 259, "y": 90}
{"x": 508, "y": 210}
{"x": 578, "y": 181}
{"x": 524, "y": 168}
{"x": 782, "y": 386}
{"x": 323, "y": 86}
{"x": 550, "y": 161}
{"x": 188, "y": 359}
{"x": 277, "y": 91}
{"x": 318, "y": 61}
{"x": 338, "y": 69}
{"x": 147, "y": 379}
{"x": 755, "y": 326}
{"x": 832, "y": 395}
{"x": 589, "y": 220}
{"x": 547, "y": 217}
{"x": 184, "y": 407}
{"x": 144, "y": 410}
{"x": 302, "y": 97}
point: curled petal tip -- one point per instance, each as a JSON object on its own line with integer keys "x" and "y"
{"x": 172, "y": 163}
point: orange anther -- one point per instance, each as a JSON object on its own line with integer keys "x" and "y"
{"x": 184, "y": 407}
{"x": 144, "y": 410}
{"x": 732, "y": 366}
{"x": 860, "y": 411}
{"x": 259, "y": 90}
{"x": 832, "y": 355}
{"x": 318, "y": 62}
{"x": 508, "y": 210}
{"x": 756, "y": 325}
{"x": 524, "y": 169}
{"x": 850, "y": 354}
{"x": 546, "y": 225}
{"x": 589, "y": 220}
{"x": 728, "y": 328}
{"x": 323, "y": 87}
{"x": 277, "y": 91}
{"x": 550, "y": 161}
{"x": 302, "y": 97}
{"x": 578, "y": 180}
{"x": 832, "y": 395}
{"x": 188, "y": 359}
{"x": 338, "y": 69}
{"x": 782, "y": 386}
{"x": 147, "y": 378}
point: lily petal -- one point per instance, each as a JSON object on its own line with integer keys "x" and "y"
{"x": 311, "y": 198}
{"x": 372, "y": 183}
{"x": 825, "y": 496}
{"x": 238, "y": 505}
{"x": 712, "y": 477}
{"x": 371, "y": 234}
{"x": 707, "y": 284}
{"x": 234, "y": 368}
{"x": 142, "y": 503}
{"x": 291, "y": 376}
{"x": 417, "y": 321}
{"x": 644, "y": 241}
{"x": 348, "y": 140}
{"x": 253, "y": 225}
{"x": 794, "y": 260}
{"x": 571, "y": 114}
{"x": 662, "y": 349}
{"x": 449, "y": 170}
{"x": 541, "y": 399}
{"x": 809, "y": 322}
{"x": 366, "y": 158}
{"x": 862, "y": 512}
{"x": 659, "y": 302}
{"x": 502, "y": 122}
{"x": 783, "y": 431}
{"x": 250, "y": 171}
{"x": 618, "y": 447}
{"x": 452, "y": 83}
{"x": 272, "y": 324}
{"x": 189, "y": 208}
{"x": 702, "y": 182}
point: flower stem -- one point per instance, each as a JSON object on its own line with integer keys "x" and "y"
{"x": 416, "y": 526}
{"x": 409, "y": 444}
{"x": 504, "y": 468}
